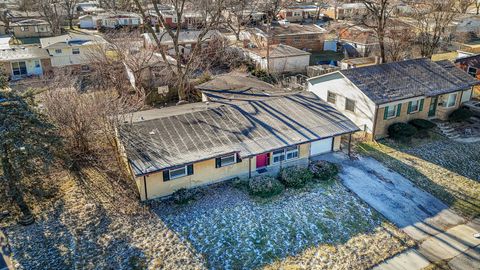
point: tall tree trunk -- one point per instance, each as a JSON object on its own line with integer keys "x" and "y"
{"x": 381, "y": 42}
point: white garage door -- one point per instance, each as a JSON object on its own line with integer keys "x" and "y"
{"x": 321, "y": 146}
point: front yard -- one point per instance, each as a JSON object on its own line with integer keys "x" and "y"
{"x": 323, "y": 225}
{"x": 447, "y": 169}
{"x": 95, "y": 223}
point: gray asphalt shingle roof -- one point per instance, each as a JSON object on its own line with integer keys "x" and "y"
{"x": 410, "y": 78}
{"x": 246, "y": 127}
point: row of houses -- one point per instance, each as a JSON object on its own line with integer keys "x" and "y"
{"x": 72, "y": 50}
{"x": 245, "y": 127}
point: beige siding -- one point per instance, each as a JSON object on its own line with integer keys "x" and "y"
{"x": 206, "y": 173}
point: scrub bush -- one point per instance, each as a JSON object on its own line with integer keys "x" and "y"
{"x": 460, "y": 115}
{"x": 323, "y": 170}
{"x": 295, "y": 177}
{"x": 401, "y": 131}
{"x": 264, "y": 186}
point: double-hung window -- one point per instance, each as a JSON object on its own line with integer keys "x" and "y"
{"x": 19, "y": 68}
{"x": 285, "y": 154}
{"x": 392, "y": 111}
{"x": 76, "y": 51}
{"x": 58, "y": 51}
{"x": 451, "y": 100}
{"x": 331, "y": 97}
{"x": 415, "y": 106}
{"x": 472, "y": 71}
{"x": 291, "y": 152}
{"x": 349, "y": 105}
{"x": 278, "y": 156}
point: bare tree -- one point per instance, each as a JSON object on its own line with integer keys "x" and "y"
{"x": 463, "y": 5}
{"x": 377, "y": 18}
{"x": 5, "y": 18}
{"x": 477, "y": 6}
{"x": 69, "y": 7}
{"x": 211, "y": 12}
{"x": 433, "y": 19}
{"x": 239, "y": 14}
{"x": 49, "y": 9}
{"x": 399, "y": 43}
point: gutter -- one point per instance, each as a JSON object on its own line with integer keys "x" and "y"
{"x": 243, "y": 157}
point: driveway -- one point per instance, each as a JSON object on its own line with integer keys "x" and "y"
{"x": 441, "y": 234}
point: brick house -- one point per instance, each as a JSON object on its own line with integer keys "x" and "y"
{"x": 374, "y": 97}
{"x": 304, "y": 37}
{"x": 471, "y": 65}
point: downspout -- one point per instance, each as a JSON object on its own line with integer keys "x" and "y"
{"x": 145, "y": 187}
{"x": 374, "y": 122}
{"x": 249, "y": 167}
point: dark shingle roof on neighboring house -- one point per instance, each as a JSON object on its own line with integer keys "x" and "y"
{"x": 244, "y": 127}
{"x": 410, "y": 78}
{"x": 237, "y": 86}
{"x": 472, "y": 61}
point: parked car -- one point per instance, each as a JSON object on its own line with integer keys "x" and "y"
{"x": 473, "y": 106}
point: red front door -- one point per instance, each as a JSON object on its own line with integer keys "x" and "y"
{"x": 262, "y": 160}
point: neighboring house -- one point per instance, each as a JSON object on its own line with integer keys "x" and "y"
{"x": 304, "y": 37}
{"x": 187, "y": 40}
{"x": 350, "y": 11}
{"x": 190, "y": 19}
{"x": 280, "y": 59}
{"x": 298, "y": 13}
{"x": 90, "y": 7}
{"x": 471, "y": 65}
{"x": 110, "y": 20}
{"x": 17, "y": 15}
{"x": 375, "y": 97}
{"x": 203, "y": 143}
{"x": 358, "y": 41}
{"x": 71, "y": 49}
{"x": 20, "y": 62}
{"x": 31, "y": 28}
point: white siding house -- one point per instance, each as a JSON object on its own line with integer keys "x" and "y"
{"x": 282, "y": 58}
{"x": 340, "y": 89}
{"x": 71, "y": 49}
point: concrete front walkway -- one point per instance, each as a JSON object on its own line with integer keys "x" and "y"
{"x": 442, "y": 235}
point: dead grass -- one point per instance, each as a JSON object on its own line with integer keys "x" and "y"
{"x": 362, "y": 251}
{"x": 449, "y": 170}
